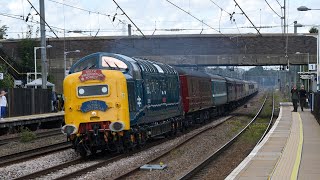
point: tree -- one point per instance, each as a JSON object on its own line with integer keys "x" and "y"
{"x": 7, "y": 81}
{"x": 313, "y": 30}
{"x": 26, "y": 50}
{"x": 3, "y": 30}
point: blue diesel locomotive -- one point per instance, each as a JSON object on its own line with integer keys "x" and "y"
{"x": 158, "y": 98}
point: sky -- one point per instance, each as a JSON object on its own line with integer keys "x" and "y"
{"x": 74, "y": 18}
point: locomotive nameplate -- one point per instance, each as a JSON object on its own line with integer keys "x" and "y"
{"x": 93, "y": 105}
{"x": 91, "y": 74}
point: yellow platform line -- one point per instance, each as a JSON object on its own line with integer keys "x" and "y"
{"x": 279, "y": 158}
{"x": 295, "y": 171}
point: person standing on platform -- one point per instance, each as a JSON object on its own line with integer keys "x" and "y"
{"x": 302, "y": 97}
{"x": 3, "y": 104}
{"x": 295, "y": 98}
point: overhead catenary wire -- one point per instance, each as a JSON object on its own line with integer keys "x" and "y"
{"x": 247, "y": 17}
{"x": 89, "y": 11}
{"x": 20, "y": 17}
{"x": 194, "y": 17}
{"x": 220, "y": 8}
{"x": 272, "y": 9}
{"x": 42, "y": 19}
{"x": 279, "y": 3}
{"x": 129, "y": 18}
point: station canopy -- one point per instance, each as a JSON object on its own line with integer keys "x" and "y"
{"x": 38, "y": 82}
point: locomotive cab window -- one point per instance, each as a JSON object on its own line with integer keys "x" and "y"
{"x": 89, "y": 63}
{"x": 113, "y": 63}
{"x": 95, "y": 90}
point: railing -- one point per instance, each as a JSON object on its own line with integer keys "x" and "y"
{"x": 13, "y": 67}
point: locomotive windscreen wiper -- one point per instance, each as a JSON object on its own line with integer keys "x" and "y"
{"x": 107, "y": 63}
{"x": 116, "y": 65}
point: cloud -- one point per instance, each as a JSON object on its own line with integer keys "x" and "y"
{"x": 150, "y": 14}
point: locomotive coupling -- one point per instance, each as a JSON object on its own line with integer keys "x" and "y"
{"x": 116, "y": 126}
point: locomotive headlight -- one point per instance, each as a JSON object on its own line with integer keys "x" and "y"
{"x": 81, "y": 91}
{"x": 93, "y": 113}
{"x": 104, "y": 90}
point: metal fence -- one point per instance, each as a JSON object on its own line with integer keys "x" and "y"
{"x": 316, "y": 106}
{"x": 22, "y": 101}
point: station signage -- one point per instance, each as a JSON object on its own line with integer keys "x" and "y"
{"x": 312, "y": 67}
{"x": 305, "y": 76}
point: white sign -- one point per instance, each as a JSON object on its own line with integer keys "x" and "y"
{"x": 1, "y": 76}
{"x": 305, "y": 76}
{"x": 18, "y": 82}
{"x": 312, "y": 67}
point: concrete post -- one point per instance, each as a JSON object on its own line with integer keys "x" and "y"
{"x": 129, "y": 29}
{"x": 43, "y": 44}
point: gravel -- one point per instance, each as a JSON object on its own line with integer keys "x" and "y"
{"x": 177, "y": 161}
{"x": 24, "y": 168}
{"x": 67, "y": 170}
{"x": 16, "y": 147}
{"x": 115, "y": 169}
{"x": 198, "y": 148}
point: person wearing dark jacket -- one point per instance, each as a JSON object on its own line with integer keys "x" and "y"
{"x": 302, "y": 97}
{"x": 295, "y": 98}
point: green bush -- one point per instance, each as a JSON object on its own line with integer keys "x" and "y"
{"x": 26, "y": 135}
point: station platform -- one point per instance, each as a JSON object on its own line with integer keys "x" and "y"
{"x": 291, "y": 149}
{"x": 31, "y": 119}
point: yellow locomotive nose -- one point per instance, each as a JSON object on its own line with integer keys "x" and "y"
{"x": 96, "y": 103}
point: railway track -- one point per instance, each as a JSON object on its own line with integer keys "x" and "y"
{"x": 88, "y": 168}
{"x": 128, "y": 174}
{"x": 199, "y": 131}
{"x": 100, "y": 163}
{"x": 39, "y": 135}
{"x": 33, "y": 153}
{"x": 200, "y": 171}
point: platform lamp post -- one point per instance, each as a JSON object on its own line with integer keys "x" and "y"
{"x": 35, "y": 60}
{"x": 304, "y": 8}
{"x": 65, "y": 60}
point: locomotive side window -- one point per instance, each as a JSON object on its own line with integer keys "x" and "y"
{"x": 95, "y": 90}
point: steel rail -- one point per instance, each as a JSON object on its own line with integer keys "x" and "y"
{"x": 270, "y": 122}
{"x": 38, "y": 136}
{"x": 125, "y": 174}
{"x": 49, "y": 170}
{"x": 107, "y": 160}
{"x": 93, "y": 167}
{"x": 200, "y": 166}
{"x": 32, "y": 153}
